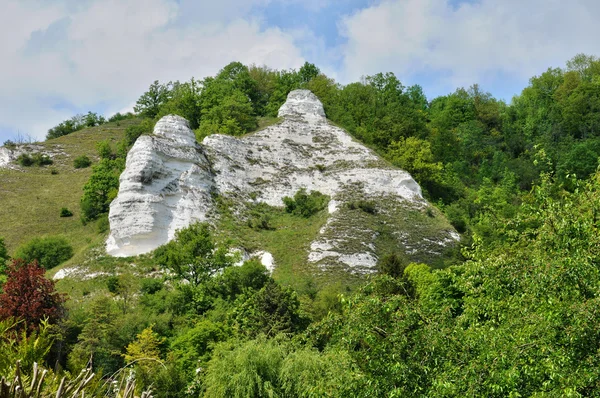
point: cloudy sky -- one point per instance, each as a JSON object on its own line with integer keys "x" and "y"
{"x": 63, "y": 57}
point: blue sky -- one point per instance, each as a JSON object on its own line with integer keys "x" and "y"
{"x": 65, "y": 57}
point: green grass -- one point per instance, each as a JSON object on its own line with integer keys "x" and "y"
{"x": 288, "y": 240}
{"x": 31, "y": 197}
{"x": 95, "y": 267}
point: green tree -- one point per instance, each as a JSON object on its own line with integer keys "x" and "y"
{"x": 101, "y": 188}
{"x": 185, "y": 101}
{"x": 192, "y": 255}
{"x": 269, "y": 311}
{"x": 144, "y": 353}
{"x": 414, "y": 155}
{"x": 149, "y": 103}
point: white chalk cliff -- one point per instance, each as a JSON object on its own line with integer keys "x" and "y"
{"x": 170, "y": 181}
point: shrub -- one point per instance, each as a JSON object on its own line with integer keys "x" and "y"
{"x": 25, "y": 160}
{"x": 53, "y": 171}
{"x": 112, "y": 283}
{"x": 304, "y": 204}
{"x": 117, "y": 117}
{"x": 28, "y": 295}
{"x": 151, "y": 285}
{"x": 64, "y": 212}
{"x": 368, "y": 206}
{"x": 81, "y": 162}
{"x": 392, "y": 265}
{"x": 41, "y": 159}
{"x": 36, "y": 159}
{"x": 49, "y": 251}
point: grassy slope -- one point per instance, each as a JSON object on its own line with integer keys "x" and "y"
{"x": 31, "y": 197}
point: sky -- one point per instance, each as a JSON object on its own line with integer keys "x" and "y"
{"x": 63, "y": 57}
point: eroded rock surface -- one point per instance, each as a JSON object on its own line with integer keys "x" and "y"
{"x": 166, "y": 186}
{"x": 169, "y": 178}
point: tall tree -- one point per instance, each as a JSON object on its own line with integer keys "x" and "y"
{"x": 149, "y": 103}
{"x": 192, "y": 255}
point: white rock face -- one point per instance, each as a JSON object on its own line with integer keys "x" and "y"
{"x": 168, "y": 180}
{"x": 166, "y": 186}
{"x": 6, "y": 156}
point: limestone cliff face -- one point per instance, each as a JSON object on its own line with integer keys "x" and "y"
{"x": 166, "y": 186}
{"x": 169, "y": 179}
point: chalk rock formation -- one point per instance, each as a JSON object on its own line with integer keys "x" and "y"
{"x": 166, "y": 186}
{"x": 169, "y": 178}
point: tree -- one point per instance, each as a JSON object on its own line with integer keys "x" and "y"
{"x": 144, "y": 353}
{"x": 184, "y": 100}
{"x": 192, "y": 255}
{"x": 149, "y": 103}
{"x": 29, "y": 296}
{"x": 414, "y": 155}
{"x": 307, "y": 72}
{"x": 269, "y": 311}
{"x": 101, "y": 188}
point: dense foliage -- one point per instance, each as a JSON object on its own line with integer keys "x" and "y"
{"x": 103, "y": 185}
{"x": 48, "y": 252}
{"x": 35, "y": 159}
{"x": 305, "y": 204}
{"x": 513, "y": 313}
{"x": 81, "y": 162}
{"x": 76, "y": 123}
{"x": 28, "y": 296}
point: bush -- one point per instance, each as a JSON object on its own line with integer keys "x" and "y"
{"x": 25, "y": 160}
{"x": 36, "y": 159}
{"x": 151, "y": 285}
{"x": 41, "y": 159}
{"x": 81, "y": 162}
{"x": 392, "y": 265}
{"x": 117, "y": 117}
{"x": 368, "y": 206}
{"x": 49, "y": 251}
{"x": 64, "y": 212}
{"x": 113, "y": 285}
{"x": 304, "y": 204}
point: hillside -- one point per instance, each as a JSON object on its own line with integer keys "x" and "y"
{"x": 32, "y": 197}
{"x": 347, "y": 289}
{"x": 373, "y": 208}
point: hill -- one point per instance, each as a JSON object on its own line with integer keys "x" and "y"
{"x": 372, "y": 208}
{"x": 32, "y": 197}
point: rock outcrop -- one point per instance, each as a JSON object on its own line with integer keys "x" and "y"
{"x": 169, "y": 180}
{"x": 166, "y": 185}
{"x": 10, "y": 155}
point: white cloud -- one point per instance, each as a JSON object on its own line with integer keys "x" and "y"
{"x": 109, "y": 51}
{"x": 469, "y": 43}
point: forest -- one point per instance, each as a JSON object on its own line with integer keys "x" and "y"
{"x": 512, "y": 311}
